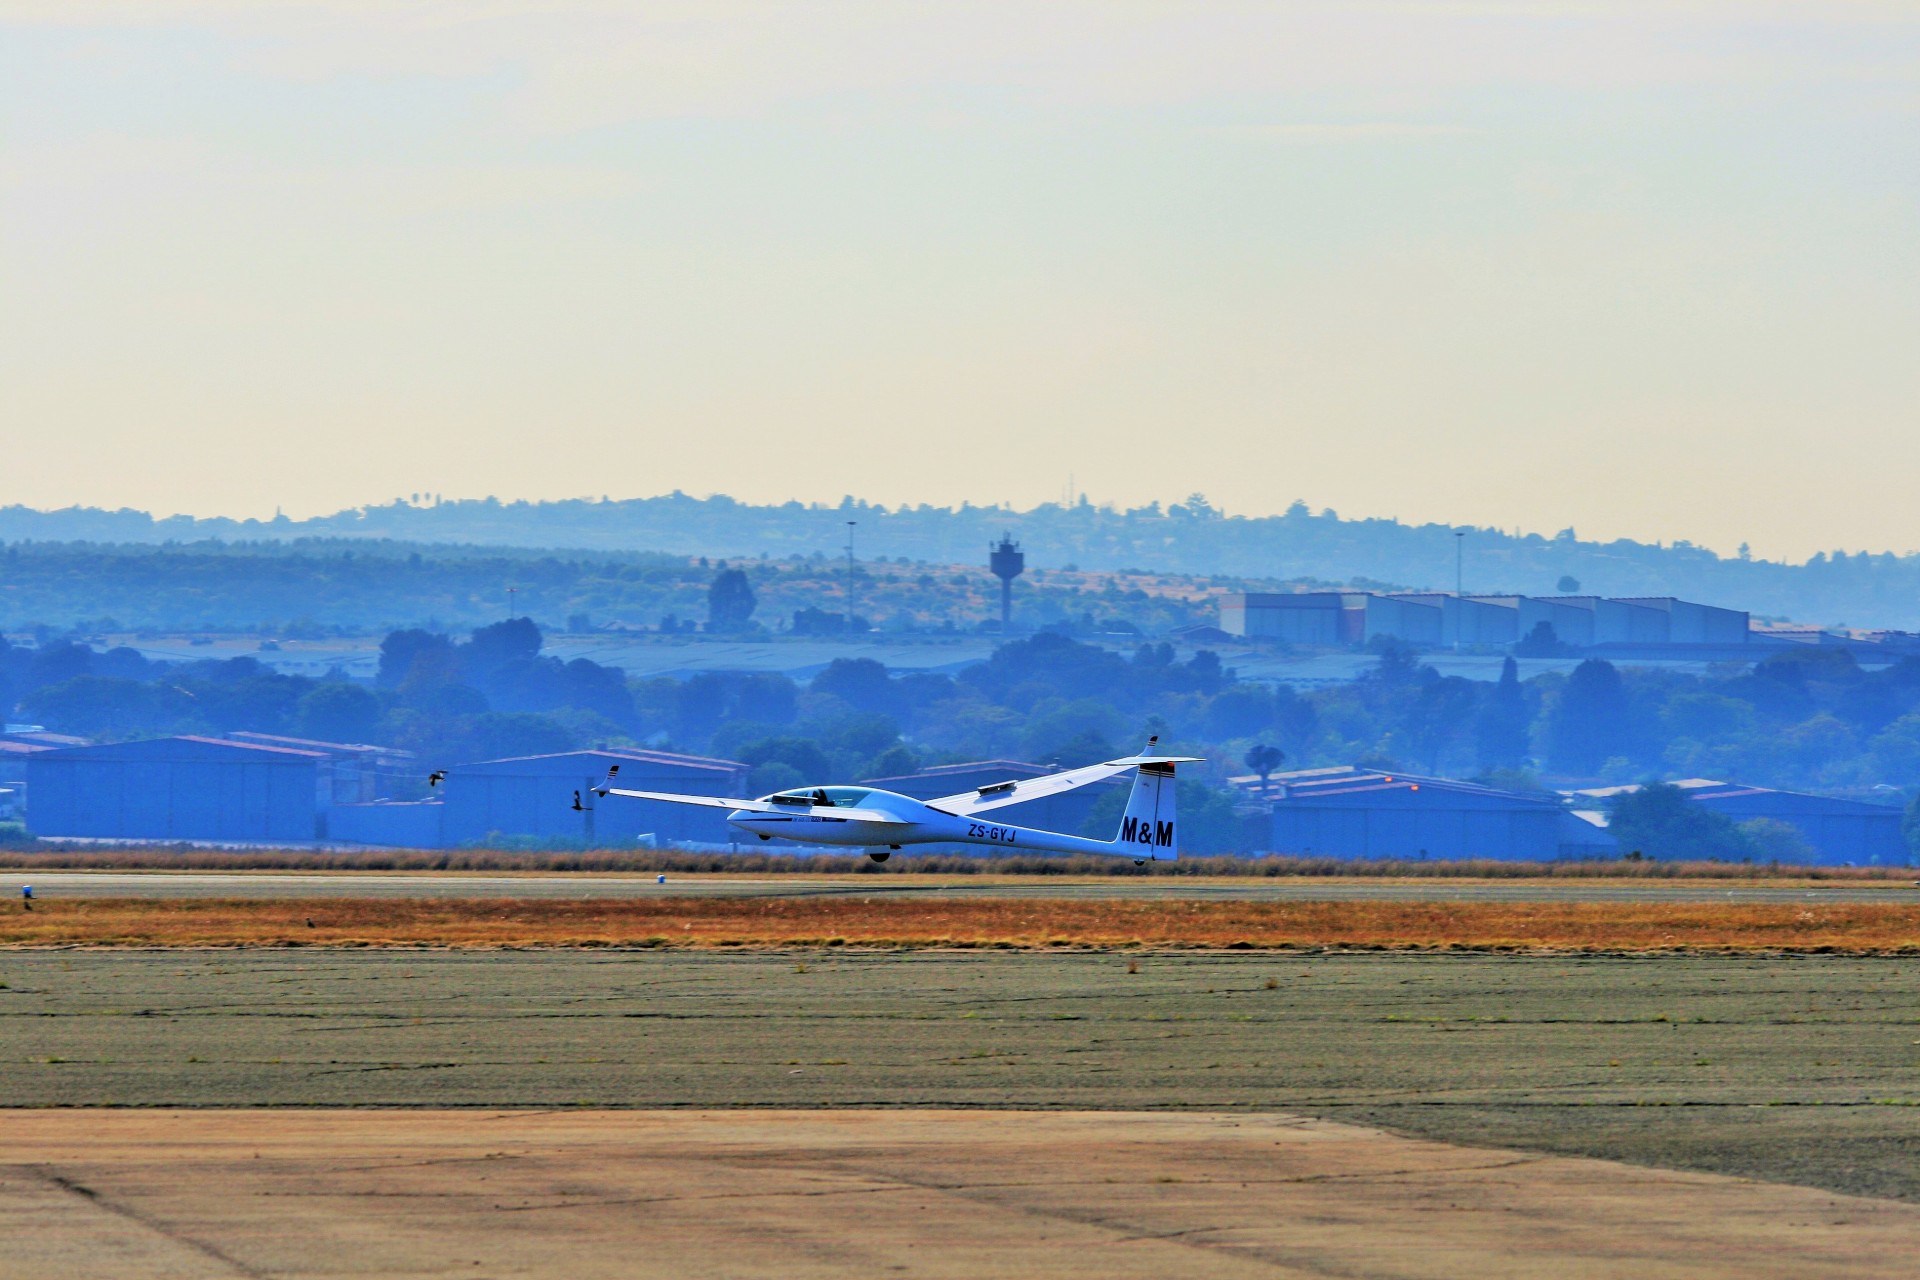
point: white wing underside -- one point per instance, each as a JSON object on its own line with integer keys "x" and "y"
{"x": 968, "y": 803}
{"x": 762, "y": 806}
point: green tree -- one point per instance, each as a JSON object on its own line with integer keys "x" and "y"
{"x": 103, "y": 707}
{"x": 1541, "y": 642}
{"x": 1588, "y": 724}
{"x": 775, "y": 775}
{"x": 1661, "y": 821}
{"x": 1500, "y": 730}
{"x": 339, "y": 712}
{"x": 802, "y": 755}
{"x": 500, "y": 645}
{"x": 730, "y": 602}
{"x": 897, "y": 761}
{"x": 1443, "y": 709}
{"x": 1242, "y": 711}
{"x": 401, "y": 650}
{"x": 1568, "y": 585}
{"x": 499, "y": 735}
{"x": 1263, "y": 760}
{"x": 861, "y": 683}
{"x": 1771, "y": 840}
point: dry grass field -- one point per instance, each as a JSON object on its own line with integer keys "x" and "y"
{"x": 1790, "y": 1068}
{"x": 1022, "y": 923}
{"x": 52, "y": 856}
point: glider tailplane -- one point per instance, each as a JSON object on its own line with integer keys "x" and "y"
{"x": 1149, "y": 828}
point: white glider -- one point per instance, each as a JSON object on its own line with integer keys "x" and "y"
{"x": 882, "y": 821}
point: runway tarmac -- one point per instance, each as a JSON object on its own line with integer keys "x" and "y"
{"x": 1115, "y": 1195}
{"x": 374, "y": 884}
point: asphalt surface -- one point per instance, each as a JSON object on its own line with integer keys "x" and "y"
{"x": 921, "y": 1195}
{"x": 168, "y": 884}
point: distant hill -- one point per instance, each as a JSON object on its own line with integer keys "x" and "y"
{"x": 308, "y": 588}
{"x": 1190, "y": 538}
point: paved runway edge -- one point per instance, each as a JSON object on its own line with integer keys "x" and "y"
{"x": 153, "y": 1194}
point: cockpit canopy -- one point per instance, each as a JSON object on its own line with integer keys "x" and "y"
{"x": 822, "y": 797}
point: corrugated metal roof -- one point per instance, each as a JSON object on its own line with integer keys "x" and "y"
{"x": 314, "y": 744}
{"x": 147, "y": 747}
{"x": 1307, "y": 784}
{"x": 612, "y": 756}
{"x": 1709, "y": 790}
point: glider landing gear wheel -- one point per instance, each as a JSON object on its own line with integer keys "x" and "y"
{"x": 1139, "y": 862}
{"x": 880, "y": 855}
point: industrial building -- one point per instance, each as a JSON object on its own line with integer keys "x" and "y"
{"x": 1326, "y": 619}
{"x": 360, "y": 773}
{"x": 535, "y": 797}
{"x": 1842, "y": 832}
{"x": 13, "y": 761}
{"x": 184, "y": 788}
{"x": 1066, "y": 811}
{"x": 1313, "y": 618}
{"x": 1519, "y": 615}
{"x": 221, "y": 790}
{"x": 1365, "y": 813}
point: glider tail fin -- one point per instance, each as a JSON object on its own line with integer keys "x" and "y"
{"x": 1149, "y": 828}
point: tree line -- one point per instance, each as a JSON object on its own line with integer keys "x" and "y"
{"x": 1812, "y": 719}
{"x": 314, "y": 588}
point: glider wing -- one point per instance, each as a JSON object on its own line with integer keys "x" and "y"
{"x": 762, "y": 806}
{"x": 1021, "y": 790}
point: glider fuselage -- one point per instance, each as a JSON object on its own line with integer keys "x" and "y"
{"x": 913, "y": 822}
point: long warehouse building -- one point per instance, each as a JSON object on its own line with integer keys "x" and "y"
{"x": 1326, "y": 619}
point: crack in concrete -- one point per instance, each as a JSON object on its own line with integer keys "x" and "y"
{"x": 95, "y": 1198}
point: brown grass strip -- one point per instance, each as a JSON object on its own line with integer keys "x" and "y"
{"x": 50, "y": 856}
{"x": 979, "y": 922}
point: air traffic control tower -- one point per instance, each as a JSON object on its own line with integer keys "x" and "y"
{"x": 1007, "y": 563}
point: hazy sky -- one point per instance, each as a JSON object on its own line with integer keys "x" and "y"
{"x": 1644, "y": 269}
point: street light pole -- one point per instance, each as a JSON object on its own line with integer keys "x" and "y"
{"x": 1459, "y": 586}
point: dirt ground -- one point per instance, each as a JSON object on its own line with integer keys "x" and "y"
{"x": 156, "y": 1195}
{"x": 934, "y": 920}
{"x": 1791, "y": 1069}
{"x": 163, "y": 881}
